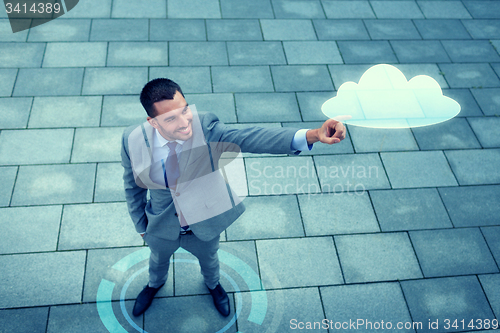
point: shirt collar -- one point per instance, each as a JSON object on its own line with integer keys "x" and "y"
{"x": 161, "y": 141}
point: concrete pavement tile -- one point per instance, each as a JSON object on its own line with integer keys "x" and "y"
{"x": 7, "y": 178}
{"x": 391, "y": 29}
{"x": 448, "y": 252}
{"x": 6, "y": 34}
{"x": 367, "y": 139}
{"x": 396, "y": 9}
{"x": 15, "y": 112}
{"x": 302, "y": 78}
{"x": 483, "y": 29}
{"x": 470, "y": 50}
{"x": 88, "y": 144}
{"x": 367, "y": 302}
{"x": 90, "y": 9}
{"x": 472, "y": 206}
{"x": 30, "y": 229}
{"x": 339, "y": 213}
{"x": 28, "y": 320}
{"x": 444, "y": 300}
{"x": 377, "y": 257}
{"x": 117, "y": 80}
{"x": 340, "y": 29}
{"x": 486, "y": 131}
{"x": 87, "y": 317}
{"x": 312, "y": 52}
{"x": 278, "y": 175}
{"x": 281, "y": 29}
{"x": 48, "y": 82}
{"x": 119, "y": 30}
{"x": 418, "y": 169}
{"x": 285, "y": 220}
{"x": 54, "y": 184}
{"x": 350, "y": 172}
{"x": 367, "y": 52}
{"x": 54, "y": 278}
{"x": 256, "y": 53}
{"x": 345, "y": 147}
{"x": 468, "y": 105}
{"x": 488, "y": 100}
{"x": 483, "y": 9}
{"x": 169, "y": 315}
{"x": 73, "y": 111}
{"x": 7, "y": 79}
{"x": 177, "y": 30}
{"x": 238, "y": 260}
{"x": 292, "y": 306}
{"x": 348, "y": 9}
{"x": 414, "y": 209}
{"x": 137, "y": 54}
{"x": 475, "y": 166}
{"x": 490, "y": 284}
{"x": 109, "y": 183}
{"x": 246, "y": 9}
{"x": 475, "y": 75}
{"x": 21, "y": 54}
{"x": 443, "y": 9}
{"x": 284, "y": 9}
{"x": 242, "y": 79}
{"x": 74, "y": 30}
{"x": 35, "y": 146}
{"x": 189, "y": 9}
{"x": 267, "y": 107}
{"x": 198, "y": 54}
{"x": 190, "y": 79}
{"x": 419, "y": 51}
{"x": 454, "y": 133}
{"x": 491, "y": 235}
{"x": 225, "y": 30}
{"x": 75, "y": 54}
{"x": 122, "y": 111}
{"x": 106, "y": 264}
{"x": 310, "y": 104}
{"x": 137, "y": 9}
{"x": 220, "y": 104}
{"x": 298, "y": 262}
{"x": 96, "y": 225}
{"x": 441, "y": 29}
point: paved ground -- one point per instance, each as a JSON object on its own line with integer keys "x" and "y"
{"x": 417, "y": 242}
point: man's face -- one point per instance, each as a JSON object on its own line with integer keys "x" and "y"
{"x": 173, "y": 118}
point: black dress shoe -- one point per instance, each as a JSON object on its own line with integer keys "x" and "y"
{"x": 144, "y": 300}
{"x": 221, "y": 300}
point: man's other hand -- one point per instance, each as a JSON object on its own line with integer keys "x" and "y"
{"x": 332, "y": 131}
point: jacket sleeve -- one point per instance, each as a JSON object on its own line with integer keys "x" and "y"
{"x": 135, "y": 195}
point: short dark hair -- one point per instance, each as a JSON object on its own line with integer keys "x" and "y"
{"x": 158, "y": 90}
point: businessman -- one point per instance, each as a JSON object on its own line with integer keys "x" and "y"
{"x": 175, "y": 155}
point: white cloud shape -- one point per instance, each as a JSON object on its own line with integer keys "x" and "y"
{"x": 383, "y": 98}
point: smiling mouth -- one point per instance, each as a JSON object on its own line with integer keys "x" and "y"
{"x": 185, "y": 130}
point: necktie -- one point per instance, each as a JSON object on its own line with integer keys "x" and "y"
{"x": 171, "y": 166}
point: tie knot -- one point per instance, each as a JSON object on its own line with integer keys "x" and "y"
{"x": 171, "y": 146}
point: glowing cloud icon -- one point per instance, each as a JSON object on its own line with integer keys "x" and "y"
{"x": 383, "y": 98}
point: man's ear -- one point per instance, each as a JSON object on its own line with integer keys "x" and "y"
{"x": 153, "y": 122}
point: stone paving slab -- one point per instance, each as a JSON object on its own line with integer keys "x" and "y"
{"x": 287, "y": 29}
{"x": 471, "y": 206}
{"x": 116, "y": 80}
{"x": 137, "y": 54}
{"x": 7, "y": 178}
{"x": 377, "y": 257}
{"x": 367, "y": 302}
{"x": 6, "y": 34}
{"x": 356, "y": 52}
{"x": 89, "y": 9}
{"x": 191, "y": 79}
{"x": 54, "y": 278}
{"x": 209, "y": 9}
{"x": 95, "y": 226}
{"x": 488, "y": 100}
{"x": 340, "y": 29}
{"x": 242, "y": 79}
{"x": 391, "y": 29}
{"x": 76, "y": 30}
{"x": 310, "y": 104}
{"x": 367, "y": 139}
{"x": 483, "y": 9}
{"x": 450, "y": 298}
{"x": 256, "y": 53}
{"x": 424, "y": 51}
{"x": 338, "y": 213}
{"x": 476, "y": 166}
{"x": 223, "y": 105}
{"x": 396, "y": 10}
{"x": 443, "y": 10}
{"x": 267, "y": 107}
{"x": 21, "y": 54}
{"x": 54, "y": 184}
{"x": 136, "y": 9}
{"x": 88, "y": 145}
{"x": 411, "y": 209}
{"x": 30, "y": 229}
{"x": 285, "y": 9}
{"x": 312, "y": 52}
{"x": 490, "y": 285}
{"x": 468, "y": 105}
{"x": 299, "y": 262}
{"x": 119, "y": 30}
{"x": 232, "y": 30}
{"x": 179, "y": 30}
{"x": 198, "y": 54}
{"x": 477, "y": 75}
{"x": 7, "y": 79}
{"x": 348, "y": 9}
{"x": 109, "y": 183}
{"x": 122, "y": 111}
{"x": 491, "y": 235}
{"x": 452, "y": 252}
{"x": 301, "y": 78}
{"x": 75, "y": 54}
{"x": 48, "y": 82}
{"x": 246, "y": 9}
{"x": 24, "y": 320}
{"x": 15, "y": 112}
{"x": 442, "y": 29}
{"x": 483, "y": 29}
{"x": 484, "y": 128}
{"x": 470, "y": 50}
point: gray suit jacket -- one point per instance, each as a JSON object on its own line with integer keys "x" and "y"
{"x": 206, "y": 201}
